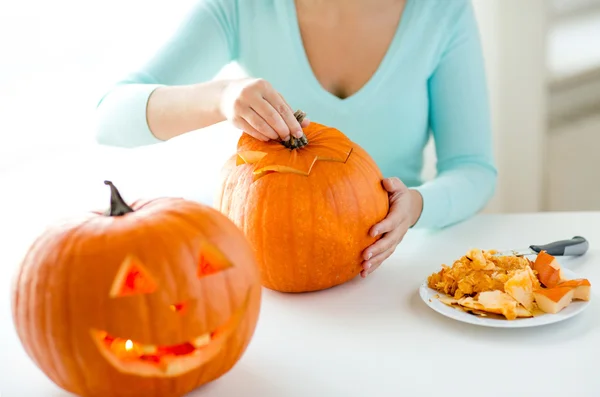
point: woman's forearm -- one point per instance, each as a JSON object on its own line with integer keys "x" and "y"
{"x": 162, "y": 99}
{"x": 174, "y": 110}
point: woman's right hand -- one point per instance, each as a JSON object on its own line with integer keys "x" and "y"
{"x": 255, "y": 107}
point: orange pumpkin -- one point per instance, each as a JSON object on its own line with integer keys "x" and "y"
{"x": 306, "y": 206}
{"x": 152, "y": 299}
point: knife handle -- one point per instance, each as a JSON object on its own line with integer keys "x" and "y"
{"x": 573, "y": 247}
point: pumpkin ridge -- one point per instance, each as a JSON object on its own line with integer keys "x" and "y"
{"x": 72, "y": 247}
{"x": 289, "y": 202}
{"x": 59, "y": 370}
{"x": 364, "y": 182}
{"x": 107, "y": 239}
{"x": 266, "y": 273}
{"x": 21, "y": 307}
{"x": 146, "y": 225}
{"x": 225, "y": 356}
{"x": 205, "y": 301}
{"x": 174, "y": 283}
{"x": 230, "y": 291}
{"x": 331, "y": 187}
{"x": 314, "y": 224}
{"x": 38, "y": 324}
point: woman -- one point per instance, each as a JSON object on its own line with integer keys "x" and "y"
{"x": 388, "y": 73}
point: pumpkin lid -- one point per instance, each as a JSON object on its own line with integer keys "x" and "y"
{"x": 298, "y": 155}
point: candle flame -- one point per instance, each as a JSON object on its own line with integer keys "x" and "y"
{"x": 128, "y": 345}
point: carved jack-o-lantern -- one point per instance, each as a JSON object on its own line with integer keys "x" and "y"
{"x": 156, "y": 298}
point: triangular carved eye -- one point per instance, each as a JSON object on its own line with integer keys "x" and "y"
{"x": 132, "y": 278}
{"x": 211, "y": 261}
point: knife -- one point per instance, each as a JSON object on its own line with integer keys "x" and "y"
{"x": 573, "y": 247}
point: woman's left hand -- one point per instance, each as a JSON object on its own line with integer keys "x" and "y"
{"x": 405, "y": 209}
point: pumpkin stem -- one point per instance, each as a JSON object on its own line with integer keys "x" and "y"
{"x": 299, "y": 115}
{"x": 118, "y": 206}
{"x": 296, "y": 143}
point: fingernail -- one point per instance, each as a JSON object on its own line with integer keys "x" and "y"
{"x": 368, "y": 266}
{"x": 287, "y": 138}
{"x": 375, "y": 233}
{"x": 369, "y": 255}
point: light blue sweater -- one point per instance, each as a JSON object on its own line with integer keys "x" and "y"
{"x": 431, "y": 81}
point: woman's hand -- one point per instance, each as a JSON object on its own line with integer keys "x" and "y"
{"x": 405, "y": 209}
{"x": 253, "y": 106}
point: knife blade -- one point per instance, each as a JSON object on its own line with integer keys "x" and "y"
{"x": 575, "y": 246}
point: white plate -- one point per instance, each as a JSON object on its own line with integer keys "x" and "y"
{"x": 576, "y": 307}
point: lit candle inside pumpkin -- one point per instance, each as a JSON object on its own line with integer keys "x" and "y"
{"x": 125, "y": 349}
{"x": 176, "y": 308}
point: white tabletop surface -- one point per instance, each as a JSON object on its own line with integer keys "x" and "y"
{"x": 371, "y": 337}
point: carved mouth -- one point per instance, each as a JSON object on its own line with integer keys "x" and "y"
{"x": 149, "y": 360}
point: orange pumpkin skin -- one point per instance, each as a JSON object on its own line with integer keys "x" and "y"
{"x": 155, "y": 280}
{"x": 307, "y": 211}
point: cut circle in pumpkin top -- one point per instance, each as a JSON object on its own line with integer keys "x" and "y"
{"x": 324, "y": 144}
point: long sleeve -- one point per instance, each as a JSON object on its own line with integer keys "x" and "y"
{"x": 459, "y": 119}
{"x": 204, "y": 43}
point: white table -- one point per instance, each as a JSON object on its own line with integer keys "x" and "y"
{"x": 372, "y": 337}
